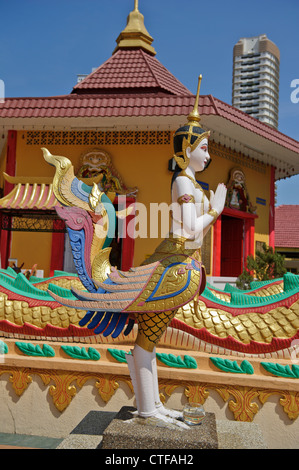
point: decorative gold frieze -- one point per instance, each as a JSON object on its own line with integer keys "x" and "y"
{"x": 19, "y": 378}
{"x": 289, "y": 401}
{"x": 243, "y": 406}
{"x": 244, "y": 402}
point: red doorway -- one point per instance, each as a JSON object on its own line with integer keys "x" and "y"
{"x": 233, "y": 241}
{"x": 232, "y": 236}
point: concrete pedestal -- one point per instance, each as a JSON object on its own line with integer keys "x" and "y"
{"x": 123, "y": 433}
{"x": 109, "y": 430}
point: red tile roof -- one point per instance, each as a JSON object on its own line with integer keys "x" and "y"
{"x": 254, "y": 125}
{"x": 96, "y": 106}
{"x": 287, "y": 226}
{"x": 132, "y": 71}
{"x": 137, "y": 105}
{"x": 133, "y": 83}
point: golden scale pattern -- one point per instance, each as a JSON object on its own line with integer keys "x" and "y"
{"x": 270, "y": 290}
{"x": 153, "y": 325}
{"x": 66, "y": 283}
{"x": 280, "y": 322}
{"x": 19, "y": 312}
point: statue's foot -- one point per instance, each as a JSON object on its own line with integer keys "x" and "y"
{"x": 170, "y": 413}
{"x": 159, "y": 420}
{"x": 172, "y": 421}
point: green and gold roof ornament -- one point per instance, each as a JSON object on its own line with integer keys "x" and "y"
{"x": 135, "y": 34}
{"x": 190, "y": 135}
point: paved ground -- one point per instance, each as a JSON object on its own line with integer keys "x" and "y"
{"x": 22, "y": 441}
{"x": 88, "y": 434}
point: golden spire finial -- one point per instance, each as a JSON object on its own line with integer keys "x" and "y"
{"x": 135, "y": 34}
{"x": 194, "y": 116}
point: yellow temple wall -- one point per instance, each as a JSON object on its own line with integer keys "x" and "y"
{"x": 144, "y": 166}
{"x": 32, "y": 248}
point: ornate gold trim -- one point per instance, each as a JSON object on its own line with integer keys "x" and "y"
{"x": 213, "y": 213}
{"x": 27, "y": 179}
{"x": 240, "y": 399}
{"x": 63, "y": 386}
{"x": 186, "y": 199}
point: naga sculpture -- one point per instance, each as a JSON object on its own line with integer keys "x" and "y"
{"x": 152, "y": 293}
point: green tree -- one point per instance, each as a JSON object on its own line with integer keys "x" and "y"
{"x": 267, "y": 265}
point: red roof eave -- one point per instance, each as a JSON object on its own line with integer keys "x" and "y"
{"x": 95, "y": 105}
{"x": 237, "y": 116}
{"x": 137, "y": 105}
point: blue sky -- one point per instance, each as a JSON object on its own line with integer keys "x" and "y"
{"x": 45, "y": 44}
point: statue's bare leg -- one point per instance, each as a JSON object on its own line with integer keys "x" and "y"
{"x": 145, "y": 386}
{"x": 159, "y": 405}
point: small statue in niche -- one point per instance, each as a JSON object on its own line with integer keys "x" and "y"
{"x": 97, "y": 164}
{"x": 237, "y": 194}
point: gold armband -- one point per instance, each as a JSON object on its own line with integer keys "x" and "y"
{"x": 213, "y": 213}
{"x": 185, "y": 199}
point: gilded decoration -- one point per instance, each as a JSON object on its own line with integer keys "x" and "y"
{"x": 265, "y": 320}
{"x": 135, "y": 34}
{"x": 244, "y": 402}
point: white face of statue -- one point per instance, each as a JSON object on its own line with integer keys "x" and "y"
{"x": 200, "y": 156}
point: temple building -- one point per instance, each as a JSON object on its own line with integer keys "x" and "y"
{"x": 116, "y": 126}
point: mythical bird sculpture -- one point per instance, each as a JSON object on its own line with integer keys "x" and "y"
{"x": 152, "y": 293}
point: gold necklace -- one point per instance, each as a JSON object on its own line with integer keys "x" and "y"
{"x": 211, "y": 211}
{"x": 195, "y": 183}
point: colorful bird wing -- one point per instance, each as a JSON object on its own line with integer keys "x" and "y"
{"x": 174, "y": 282}
{"x": 111, "y": 321}
{"x": 101, "y": 304}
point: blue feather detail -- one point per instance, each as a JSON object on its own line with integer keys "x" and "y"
{"x": 96, "y": 319}
{"x": 77, "y": 240}
{"x": 81, "y": 190}
{"x": 103, "y": 323}
{"x": 129, "y": 328}
{"x": 86, "y": 318}
{"x": 112, "y": 324}
{"x": 120, "y": 326}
